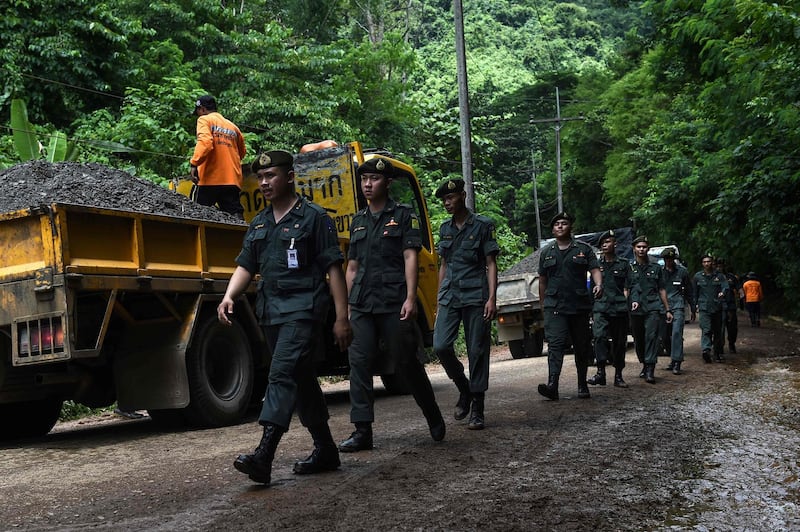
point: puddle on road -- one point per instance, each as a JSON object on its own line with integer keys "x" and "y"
{"x": 749, "y": 478}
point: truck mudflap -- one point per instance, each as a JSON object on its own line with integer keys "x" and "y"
{"x": 201, "y": 373}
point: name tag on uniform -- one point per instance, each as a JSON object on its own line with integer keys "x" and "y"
{"x": 291, "y": 257}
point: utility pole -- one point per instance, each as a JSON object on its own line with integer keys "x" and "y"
{"x": 557, "y": 120}
{"x": 536, "y": 203}
{"x": 463, "y": 105}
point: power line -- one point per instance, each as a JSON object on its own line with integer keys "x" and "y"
{"x": 92, "y": 142}
{"x": 71, "y": 86}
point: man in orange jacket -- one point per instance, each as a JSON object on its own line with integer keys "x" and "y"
{"x": 217, "y": 159}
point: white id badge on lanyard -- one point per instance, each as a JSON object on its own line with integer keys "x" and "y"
{"x": 291, "y": 257}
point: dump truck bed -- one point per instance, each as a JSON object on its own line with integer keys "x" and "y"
{"x": 65, "y": 239}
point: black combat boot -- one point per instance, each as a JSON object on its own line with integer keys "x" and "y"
{"x": 359, "y": 440}
{"x": 719, "y": 357}
{"x": 732, "y": 348}
{"x": 476, "y": 414}
{"x": 649, "y": 374}
{"x": 707, "y": 356}
{"x": 618, "y": 380}
{"x": 324, "y": 457}
{"x": 464, "y": 398}
{"x": 676, "y": 368}
{"x": 670, "y": 366}
{"x": 583, "y": 389}
{"x": 550, "y": 390}
{"x": 600, "y": 377}
{"x": 435, "y": 423}
{"x": 258, "y": 466}
{"x": 426, "y": 400}
{"x": 643, "y": 373}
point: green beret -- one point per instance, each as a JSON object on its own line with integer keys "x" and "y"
{"x": 668, "y": 253}
{"x": 605, "y": 236}
{"x": 268, "y": 159}
{"x": 561, "y": 216}
{"x": 640, "y": 238}
{"x": 376, "y": 165}
{"x": 449, "y": 187}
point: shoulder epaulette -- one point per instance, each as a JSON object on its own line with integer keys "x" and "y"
{"x": 316, "y": 207}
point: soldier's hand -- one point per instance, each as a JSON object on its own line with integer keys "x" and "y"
{"x": 490, "y": 310}
{"x": 342, "y": 333}
{"x": 597, "y": 290}
{"x": 669, "y": 317}
{"x": 224, "y": 309}
{"x": 408, "y": 310}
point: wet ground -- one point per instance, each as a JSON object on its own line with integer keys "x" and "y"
{"x": 714, "y": 449}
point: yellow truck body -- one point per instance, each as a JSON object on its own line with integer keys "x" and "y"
{"x": 99, "y": 305}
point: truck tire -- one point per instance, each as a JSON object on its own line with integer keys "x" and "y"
{"x": 517, "y": 348}
{"x": 29, "y": 419}
{"x": 530, "y": 346}
{"x": 219, "y": 365}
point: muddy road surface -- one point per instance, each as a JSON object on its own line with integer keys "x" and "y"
{"x": 716, "y": 448}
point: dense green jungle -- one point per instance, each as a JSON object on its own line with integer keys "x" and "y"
{"x": 679, "y": 117}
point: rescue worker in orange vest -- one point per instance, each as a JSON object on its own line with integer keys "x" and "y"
{"x": 216, "y": 165}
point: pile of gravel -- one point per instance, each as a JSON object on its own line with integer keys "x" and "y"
{"x": 529, "y": 264}
{"x": 37, "y": 183}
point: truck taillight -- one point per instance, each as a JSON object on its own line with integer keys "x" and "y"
{"x": 38, "y": 337}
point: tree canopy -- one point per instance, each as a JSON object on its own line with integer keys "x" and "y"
{"x": 685, "y": 111}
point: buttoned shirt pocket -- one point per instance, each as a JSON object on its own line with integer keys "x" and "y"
{"x": 394, "y": 286}
{"x": 446, "y": 249}
{"x": 297, "y": 239}
{"x": 548, "y": 263}
{"x": 357, "y": 237}
{"x": 445, "y": 295}
{"x": 472, "y": 291}
{"x": 468, "y": 251}
{"x": 550, "y": 299}
{"x": 392, "y": 241}
{"x": 294, "y": 294}
{"x": 256, "y": 245}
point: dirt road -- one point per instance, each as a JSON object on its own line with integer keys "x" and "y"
{"x": 714, "y": 449}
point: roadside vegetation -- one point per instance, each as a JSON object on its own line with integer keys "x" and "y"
{"x": 686, "y": 113}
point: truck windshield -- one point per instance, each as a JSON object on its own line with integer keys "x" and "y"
{"x": 403, "y": 190}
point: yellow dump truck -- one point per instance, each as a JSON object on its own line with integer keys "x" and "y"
{"x": 101, "y": 305}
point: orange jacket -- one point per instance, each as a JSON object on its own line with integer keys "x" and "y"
{"x": 752, "y": 291}
{"x": 219, "y": 151}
